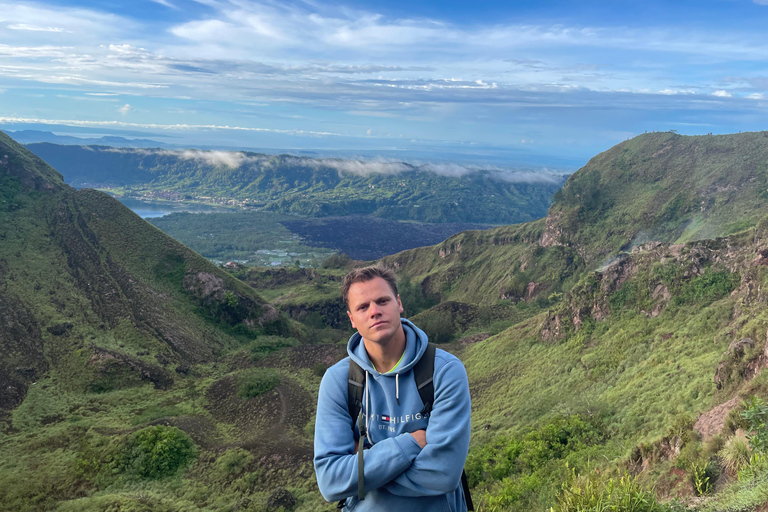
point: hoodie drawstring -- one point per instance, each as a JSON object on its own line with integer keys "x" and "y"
{"x": 397, "y": 388}
{"x": 367, "y": 400}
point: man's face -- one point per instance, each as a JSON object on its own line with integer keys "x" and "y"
{"x": 374, "y": 310}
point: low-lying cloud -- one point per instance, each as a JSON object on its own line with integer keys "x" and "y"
{"x": 238, "y": 159}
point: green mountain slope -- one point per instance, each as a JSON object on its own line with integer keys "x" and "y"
{"x": 591, "y": 355}
{"x": 307, "y": 186}
{"x": 635, "y": 323}
{"x": 80, "y": 268}
{"x": 664, "y": 187}
{"x": 111, "y": 329}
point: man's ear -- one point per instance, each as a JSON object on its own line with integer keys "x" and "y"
{"x": 352, "y": 321}
{"x": 399, "y": 303}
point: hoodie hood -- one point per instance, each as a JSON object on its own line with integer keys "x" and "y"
{"x": 415, "y": 345}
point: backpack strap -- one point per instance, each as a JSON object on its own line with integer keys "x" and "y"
{"x": 465, "y": 487}
{"x": 423, "y": 374}
{"x": 355, "y": 389}
{"x": 355, "y": 393}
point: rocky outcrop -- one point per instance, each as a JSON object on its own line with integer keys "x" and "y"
{"x": 591, "y": 297}
{"x": 114, "y": 370}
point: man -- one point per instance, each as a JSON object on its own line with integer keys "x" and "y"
{"x": 412, "y": 461}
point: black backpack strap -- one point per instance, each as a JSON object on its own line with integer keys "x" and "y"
{"x": 355, "y": 392}
{"x": 465, "y": 487}
{"x": 355, "y": 389}
{"x": 423, "y": 374}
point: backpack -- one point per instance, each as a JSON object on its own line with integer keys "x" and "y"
{"x": 423, "y": 372}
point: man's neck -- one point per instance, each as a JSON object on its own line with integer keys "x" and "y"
{"x": 385, "y": 356}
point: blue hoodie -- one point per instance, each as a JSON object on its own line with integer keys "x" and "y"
{"x": 399, "y": 475}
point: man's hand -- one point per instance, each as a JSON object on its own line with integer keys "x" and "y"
{"x": 421, "y": 437}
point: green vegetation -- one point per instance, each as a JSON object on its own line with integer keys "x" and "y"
{"x": 592, "y": 492}
{"x": 256, "y": 382}
{"x": 141, "y": 374}
{"x": 304, "y": 186}
{"x": 156, "y": 452}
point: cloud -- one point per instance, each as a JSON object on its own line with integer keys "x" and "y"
{"x": 155, "y": 126}
{"x": 722, "y": 94}
{"x": 757, "y": 95}
{"x": 34, "y": 28}
{"x": 238, "y": 159}
{"x": 125, "y": 109}
{"x": 165, "y": 3}
{"x": 761, "y": 2}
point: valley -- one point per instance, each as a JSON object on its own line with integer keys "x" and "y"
{"x": 612, "y": 342}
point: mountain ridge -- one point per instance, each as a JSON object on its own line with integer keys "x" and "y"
{"x": 311, "y": 187}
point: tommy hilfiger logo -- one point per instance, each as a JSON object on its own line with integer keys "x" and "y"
{"x": 390, "y": 421}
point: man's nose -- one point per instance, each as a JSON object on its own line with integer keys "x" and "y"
{"x": 374, "y": 310}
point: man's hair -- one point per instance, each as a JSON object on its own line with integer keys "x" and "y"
{"x": 365, "y": 274}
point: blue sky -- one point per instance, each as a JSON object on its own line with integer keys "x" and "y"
{"x": 559, "y": 79}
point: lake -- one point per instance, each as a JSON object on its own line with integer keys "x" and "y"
{"x": 151, "y": 209}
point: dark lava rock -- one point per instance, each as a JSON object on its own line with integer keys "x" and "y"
{"x": 281, "y": 498}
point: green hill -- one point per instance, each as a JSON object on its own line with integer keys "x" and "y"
{"x": 307, "y": 186}
{"x": 636, "y": 321}
{"x": 117, "y": 339}
{"x": 609, "y": 346}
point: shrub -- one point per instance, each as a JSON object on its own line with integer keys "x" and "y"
{"x": 593, "y": 493}
{"x": 156, "y": 452}
{"x": 735, "y": 455}
{"x": 267, "y": 344}
{"x": 231, "y": 464}
{"x": 319, "y": 369}
{"x": 256, "y": 382}
{"x": 438, "y": 325}
{"x": 757, "y": 415}
{"x": 702, "y": 477}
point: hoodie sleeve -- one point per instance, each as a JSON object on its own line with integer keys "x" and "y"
{"x": 335, "y": 459}
{"x": 437, "y": 468}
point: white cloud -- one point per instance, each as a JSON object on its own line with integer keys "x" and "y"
{"x": 125, "y": 109}
{"x": 73, "y": 23}
{"x": 761, "y": 2}
{"x": 722, "y": 94}
{"x": 757, "y": 95}
{"x": 33, "y": 51}
{"x": 155, "y": 126}
{"x": 237, "y": 159}
{"x": 165, "y": 3}
{"x": 34, "y": 28}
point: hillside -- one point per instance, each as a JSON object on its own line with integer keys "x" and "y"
{"x": 662, "y": 186}
{"x": 112, "y": 333}
{"x": 307, "y": 186}
{"x": 639, "y": 332}
{"x": 610, "y": 347}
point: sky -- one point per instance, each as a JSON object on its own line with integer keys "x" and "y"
{"x": 515, "y": 81}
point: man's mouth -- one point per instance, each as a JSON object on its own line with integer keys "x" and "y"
{"x": 377, "y": 324}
